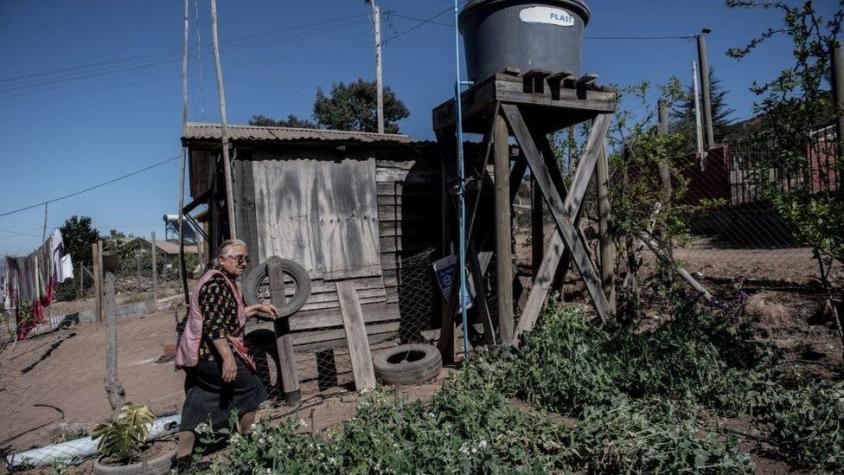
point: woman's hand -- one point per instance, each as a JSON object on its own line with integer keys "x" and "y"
{"x": 229, "y": 369}
{"x": 264, "y": 308}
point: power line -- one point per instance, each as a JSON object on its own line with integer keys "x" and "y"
{"x": 126, "y": 64}
{"x": 641, "y": 38}
{"x": 91, "y": 188}
{"x": 422, "y": 22}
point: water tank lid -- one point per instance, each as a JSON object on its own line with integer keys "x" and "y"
{"x": 579, "y": 6}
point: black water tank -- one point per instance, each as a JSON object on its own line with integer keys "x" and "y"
{"x": 544, "y": 34}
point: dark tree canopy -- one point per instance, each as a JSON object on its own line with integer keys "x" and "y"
{"x": 351, "y": 106}
{"x": 683, "y": 114}
{"x": 291, "y": 121}
{"x": 78, "y": 234}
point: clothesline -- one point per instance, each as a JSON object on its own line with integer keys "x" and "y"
{"x": 30, "y": 282}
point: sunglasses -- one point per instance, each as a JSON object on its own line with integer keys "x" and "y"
{"x": 239, "y": 259}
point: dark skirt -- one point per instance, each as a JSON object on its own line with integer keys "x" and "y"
{"x": 209, "y": 399}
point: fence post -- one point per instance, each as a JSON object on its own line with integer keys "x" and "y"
{"x": 97, "y": 254}
{"x": 154, "y": 274}
{"x": 114, "y": 390}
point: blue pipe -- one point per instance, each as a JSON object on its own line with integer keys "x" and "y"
{"x": 461, "y": 189}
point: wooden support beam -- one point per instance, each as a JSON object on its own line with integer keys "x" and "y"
{"x": 607, "y": 245}
{"x": 503, "y": 230}
{"x": 586, "y": 79}
{"x": 537, "y": 231}
{"x": 356, "y": 336}
{"x": 288, "y": 374}
{"x": 564, "y": 213}
{"x": 480, "y": 294}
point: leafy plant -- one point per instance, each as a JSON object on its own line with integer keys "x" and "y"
{"x": 121, "y": 439}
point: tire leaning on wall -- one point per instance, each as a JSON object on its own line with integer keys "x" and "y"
{"x": 300, "y": 277}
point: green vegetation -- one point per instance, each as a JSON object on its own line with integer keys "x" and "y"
{"x": 624, "y": 402}
{"x": 121, "y": 439}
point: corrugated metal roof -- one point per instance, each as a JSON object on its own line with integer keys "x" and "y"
{"x": 203, "y": 131}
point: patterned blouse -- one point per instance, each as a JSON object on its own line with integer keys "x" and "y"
{"x": 219, "y": 311}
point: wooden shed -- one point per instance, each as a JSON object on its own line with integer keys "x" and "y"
{"x": 348, "y": 206}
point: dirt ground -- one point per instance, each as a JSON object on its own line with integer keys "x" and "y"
{"x": 52, "y": 385}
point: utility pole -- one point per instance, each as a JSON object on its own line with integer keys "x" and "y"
{"x": 704, "y": 81}
{"x": 227, "y": 166}
{"x": 379, "y": 85}
{"x": 698, "y": 128}
{"x": 838, "y": 88}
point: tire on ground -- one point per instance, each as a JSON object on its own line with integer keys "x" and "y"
{"x": 407, "y": 364}
{"x": 300, "y": 277}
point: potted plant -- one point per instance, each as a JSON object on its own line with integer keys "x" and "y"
{"x": 122, "y": 441}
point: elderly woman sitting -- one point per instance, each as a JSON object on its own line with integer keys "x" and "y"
{"x": 219, "y": 373}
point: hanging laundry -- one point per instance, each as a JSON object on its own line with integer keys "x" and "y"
{"x": 31, "y": 282}
{"x": 65, "y": 269}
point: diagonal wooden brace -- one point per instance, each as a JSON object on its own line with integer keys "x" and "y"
{"x": 564, "y": 213}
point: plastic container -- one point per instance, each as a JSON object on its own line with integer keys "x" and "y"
{"x": 545, "y": 35}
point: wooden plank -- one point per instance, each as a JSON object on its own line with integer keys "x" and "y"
{"x": 503, "y": 231}
{"x": 556, "y": 205}
{"x": 284, "y": 341}
{"x": 353, "y": 324}
{"x": 340, "y": 333}
{"x": 376, "y": 312}
{"x": 247, "y": 227}
{"x": 555, "y": 251}
{"x": 586, "y": 79}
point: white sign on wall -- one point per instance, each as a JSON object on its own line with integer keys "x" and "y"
{"x": 551, "y": 16}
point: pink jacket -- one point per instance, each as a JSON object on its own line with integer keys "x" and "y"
{"x": 187, "y": 354}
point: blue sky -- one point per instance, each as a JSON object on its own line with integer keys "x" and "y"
{"x": 91, "y": 89}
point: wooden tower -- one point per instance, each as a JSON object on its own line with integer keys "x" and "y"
{"x": 528, "y": 106}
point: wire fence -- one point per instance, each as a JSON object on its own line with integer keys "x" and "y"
{"x": 52, "y": 391}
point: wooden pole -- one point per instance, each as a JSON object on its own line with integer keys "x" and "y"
{"x": 44, "y": 230}
{"x": 96, "y": 253}
{"x": 288, "y": 374}
{"x": 183, "y": 278}
{"x": 81, "y": 281}
{"x": 154, "y": 272}
{"x": 604, "y": 216}
{"x": 227, "y": 166}
{"x": 503, "y": 231}
{"x": 379, "y": 83}
{"x": 114, "y": 390}
{"x": 537, "y": 235}
{"x": 698, "y": 126}
{"x": 664, "y": 173}
{"x": 704, "y": 81}
{"x": 838, "y": 88}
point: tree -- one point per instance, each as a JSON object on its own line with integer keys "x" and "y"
{"x": 791, "y": 107}
{"x": 683, "y": 113}
{"x": 353, "y": 106}
{"x": 78, "y": 234}
{"x": 291, "y": 121}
